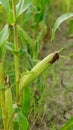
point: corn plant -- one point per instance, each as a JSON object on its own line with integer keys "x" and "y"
{"x": 14, "y": 112}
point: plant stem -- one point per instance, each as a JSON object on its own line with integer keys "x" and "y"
{"x": 2, "y": 97}
{"x": 16, "y": 57}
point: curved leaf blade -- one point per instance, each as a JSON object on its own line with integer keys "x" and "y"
{"x": 22, "y": 6}
{"x": 5, "y": 4}
{"x": 22, "y": 121}
{"x": 9, "y": 12}
{"x": 61, "y": 19}
{"x": 68, "y": 125}
{"x": 25, "y": 36}
{"x": 10, "y": 47}
{"x": 4, "y": 34}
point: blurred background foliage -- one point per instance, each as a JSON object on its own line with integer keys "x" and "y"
{"x": 41, "y": 15}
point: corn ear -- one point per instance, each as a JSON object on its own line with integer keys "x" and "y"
{"x": 8, "y": 103}
{"x": 37, "y": 70}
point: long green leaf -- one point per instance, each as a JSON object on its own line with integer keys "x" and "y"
{"x": 10, "y": 47}
{"x": 25, "y": 36}
{"x": 59, "y": 21}
{"x": 5, "y": 4}
{"x": 22, "y": 121}
{"x": 68, "y": 125}
{"x": 9, "y": 13}
{"x": 26, "y": 101}
{"x": 4, "y": 34}
{"x": 22, "y": 6}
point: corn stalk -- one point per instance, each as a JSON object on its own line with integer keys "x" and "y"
{"x": 16, "y": 57}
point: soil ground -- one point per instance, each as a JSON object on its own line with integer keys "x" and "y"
{"x": 61, "y": 92}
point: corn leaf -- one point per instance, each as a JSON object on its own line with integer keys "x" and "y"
{"x": 4, "y": 34}
{"x": 22, "y": 121}
{"x": 25, "y": 36}
{"x": 5, "y": 4}
{"x": 22, "y": 6}
{"x": 26, "y": 101}
{"x": 9, "y": 12}
{"x": 59, "y": 21}
{"x": 68, "y": 125}
{"x": 10, "y": 47}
